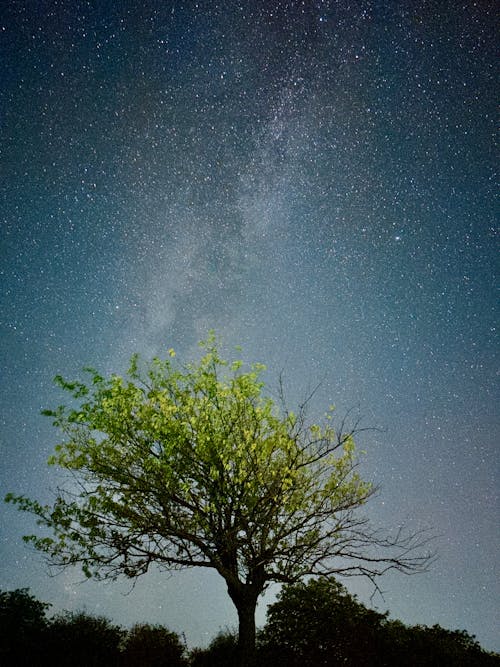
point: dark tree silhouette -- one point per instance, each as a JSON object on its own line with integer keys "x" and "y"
{"x": 320, "y": 623}
{"x": 152, "y": 646}
{"x": 221, "y": 652}
{"x": 78, "y": 639}
{"x": 23, "y": 628}
{"x": 417, "y": 645}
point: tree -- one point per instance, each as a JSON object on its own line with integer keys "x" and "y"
{"x": 154, "y": 646}
{"x": 77, "y": 639}
{"x": 194, "y": 465}
{"x": 221, "y": 652}
{"x": 23, "y": 628}
{"x": 319, "y": 623}
{"x": 422, "y": 645}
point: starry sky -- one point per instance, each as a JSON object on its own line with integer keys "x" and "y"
{"x": 314, "y": 180}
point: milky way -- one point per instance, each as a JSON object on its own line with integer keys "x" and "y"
{"x": 312, "y": 179}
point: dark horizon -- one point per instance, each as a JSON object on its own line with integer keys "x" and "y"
{"x": 311, "y": 623}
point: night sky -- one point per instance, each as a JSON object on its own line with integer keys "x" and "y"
{"x": 314, "y": 180}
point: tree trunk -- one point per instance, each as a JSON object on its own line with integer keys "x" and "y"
{"x": 246, "y": 632}
{"x": 244, "y": 598}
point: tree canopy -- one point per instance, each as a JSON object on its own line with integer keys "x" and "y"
{"x": 79, "y": 639}
{"x": 195, "y": 465}
{"x": 319, "y": 623}
{"x": 152, "y": 646}
{"x": 23, "y": 624}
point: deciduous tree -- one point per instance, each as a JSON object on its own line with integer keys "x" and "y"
{"x": 195, "y": 465}
{"x": 23, "y": 628}
{"x": 319, "y": 623}
{"x": 154, "y": 646}
{"x": 78, "y": 639}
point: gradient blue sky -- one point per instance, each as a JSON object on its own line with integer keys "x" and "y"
{"x": 314, "y": 180}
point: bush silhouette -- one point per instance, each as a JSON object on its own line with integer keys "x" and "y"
{"x": 80, "y": 640}
{"x": 221, "y": 652}
{"x": 152, "y": 646}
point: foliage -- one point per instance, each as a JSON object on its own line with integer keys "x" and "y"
{"x": 195, "y": 466}
{"x": 23, "y": 626}
{"x": 19, "y": 609}
{"x": 81, "y": 640}
{"x": 221, "y": 652}
{"x": 421, "y": 645}
{"x": 320, "y": 623}
{"x": 186, "y": 468}
{"x": 152, "y": 646}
